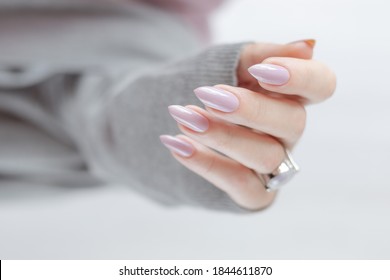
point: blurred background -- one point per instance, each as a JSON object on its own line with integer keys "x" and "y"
{"x": 337, "y": 207}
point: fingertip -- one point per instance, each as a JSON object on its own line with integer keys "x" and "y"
{"x": 308, "y": 42}
{"x": 301, "y": 49}
{"x": 177, "y": 145}
{"x": 311, "y": 42}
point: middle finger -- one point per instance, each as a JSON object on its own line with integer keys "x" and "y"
{"x": 282, "y": 118}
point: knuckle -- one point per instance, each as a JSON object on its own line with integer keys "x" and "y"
{"x": 329, "y": 82}
{"x": 210, "y": 166}
{"x": 242, "y": 179}
{"x": 225, "y": 137}
{"x": 332, "y": 83}
{"x": 305, "y": 77}
{"x": 299, "y": 118}
{"x": 268, "y": 201}
{"x": 272, "y": 159}
{"x": 260, "y": 200}
{"x": 257, "y": 111}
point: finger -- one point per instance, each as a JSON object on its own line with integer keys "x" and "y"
{"x": 255, "y": 53}
{"x": 239, "y": 182}
{"x": 281, "y": 118}
{"x": 308, "y": 79}
{"x": 259, "y": 152}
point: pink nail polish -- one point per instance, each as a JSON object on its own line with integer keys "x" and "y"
{"x": 177, "y": 145}
{"x": 270, "y": 74}
{"x": 189, "y": 118}
{"x": 217, "y": 98}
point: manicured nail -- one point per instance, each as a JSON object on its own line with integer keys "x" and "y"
{"x": 189, "y": 118}
{"x": 217, "y": 98}
{"x": 310, "y": 42}
{"x": 270, "y": 74}
{"x": 177, "y": 145}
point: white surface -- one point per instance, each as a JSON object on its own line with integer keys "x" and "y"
{"x": 338, "y": 206}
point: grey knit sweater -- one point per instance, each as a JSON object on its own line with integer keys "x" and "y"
{"x": 96, "y": 80}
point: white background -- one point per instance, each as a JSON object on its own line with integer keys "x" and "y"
{"x": 338, "y": 206}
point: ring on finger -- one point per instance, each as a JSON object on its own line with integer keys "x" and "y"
{"x": 282, "y": 174}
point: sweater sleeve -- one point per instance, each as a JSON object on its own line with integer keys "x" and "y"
{"x": 116, "y": 123}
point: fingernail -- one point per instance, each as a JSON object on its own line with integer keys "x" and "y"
{"x": 177, "y": 145}
{"x": 270, "y": 74}
{"x": 189, "y": 118}
{"x": 310, "y": 42}
{"x": 217, "y": 98}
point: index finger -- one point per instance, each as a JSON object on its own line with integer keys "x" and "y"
{"x": 309, "y": 79}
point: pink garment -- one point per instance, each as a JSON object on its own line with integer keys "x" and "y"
{"x": 194, "y": 12}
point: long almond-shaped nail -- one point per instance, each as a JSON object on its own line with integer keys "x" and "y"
{"x": 189, "y": 118}
{"x": 177, "y": 145}
{"x": 217, "y": 98}
{"x": 270, "y": 73}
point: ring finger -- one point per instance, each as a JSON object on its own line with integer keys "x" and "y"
{"x": 256, "y": 151}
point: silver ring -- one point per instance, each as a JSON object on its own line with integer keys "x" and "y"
{"x": 282, "y": 174}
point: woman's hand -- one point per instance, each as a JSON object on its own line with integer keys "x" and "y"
{"x": 244, "y": 130}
